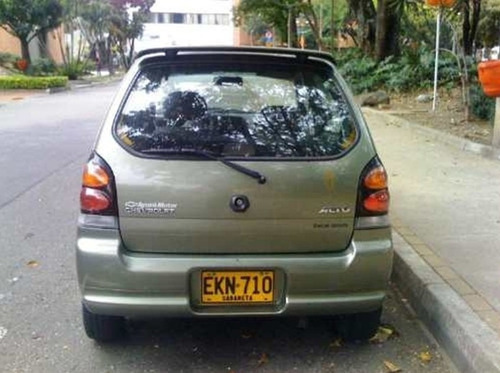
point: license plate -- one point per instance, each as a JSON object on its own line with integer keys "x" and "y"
{"x": 237, "y": 287}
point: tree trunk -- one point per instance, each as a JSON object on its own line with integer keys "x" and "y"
{"x": 312, "y": 19}
{"x": 470, "y": 24}
{"x": 25, "y": 50}
{"x": 363, "y": 11}
{"x": 387, "y": 32}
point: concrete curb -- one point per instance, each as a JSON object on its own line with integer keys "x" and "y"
{"x": 469, "y": 341}
{"x": 443, "y": 137}
{"x": 51, "y": 91}
{"x": 89, "y": 84}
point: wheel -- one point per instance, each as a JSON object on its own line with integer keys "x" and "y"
{"x": 358, "y": 326}
{"x": 103, "y": 328}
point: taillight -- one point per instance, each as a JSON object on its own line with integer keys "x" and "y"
{"x": 374, "y": 195}
{"x": 98, "y": 192}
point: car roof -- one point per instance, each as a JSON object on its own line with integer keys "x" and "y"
{"x": 173, "y": 52}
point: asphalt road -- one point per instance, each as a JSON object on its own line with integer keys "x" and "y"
{"x": 45, "y": 141}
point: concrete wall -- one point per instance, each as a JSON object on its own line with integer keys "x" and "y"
{"x": 11, "y": 44}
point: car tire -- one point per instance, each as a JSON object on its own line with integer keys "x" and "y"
{"x": 358, "y": 326}
{"x": 103, "y": 328}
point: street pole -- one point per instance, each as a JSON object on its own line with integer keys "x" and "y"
{"x": 289, "y": 26}
{"x": 496, "y": 125}
{"x": 436, "y": 62}
{"x": 332, "y": 26}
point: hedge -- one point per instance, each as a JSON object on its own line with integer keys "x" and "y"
{"x": 32, "y": 82}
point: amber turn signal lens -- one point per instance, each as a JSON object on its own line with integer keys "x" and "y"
{"x": 92, "y": 201}
{"x": 377, "y": 202}
{"x": 376, "y": 178}
{"x": 94, "y": 176}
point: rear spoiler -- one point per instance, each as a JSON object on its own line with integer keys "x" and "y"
{"x": 300, "y": 54}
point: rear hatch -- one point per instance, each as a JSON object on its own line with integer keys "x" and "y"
{"x": 236, "y": 155}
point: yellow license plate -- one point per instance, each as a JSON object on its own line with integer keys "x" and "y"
{"x": 237, "y": 287}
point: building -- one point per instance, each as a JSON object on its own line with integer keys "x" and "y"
{"x": 10, "y": 44}
{"x": 189, "y": 23}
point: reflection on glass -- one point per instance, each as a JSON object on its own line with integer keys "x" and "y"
{"x": 237, "y": 111}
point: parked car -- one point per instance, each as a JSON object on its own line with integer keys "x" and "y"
{"x": 233, "y": 182}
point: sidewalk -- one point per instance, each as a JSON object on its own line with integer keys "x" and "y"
{"x": 445, "y": 210}
{"x": 17, "y": 94}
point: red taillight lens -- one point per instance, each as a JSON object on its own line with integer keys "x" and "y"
{"x": 374, "y": 195}
{"x": 98, "y": 189}
{"x": 94, "y": 201}
{"x": 377, "y": 202}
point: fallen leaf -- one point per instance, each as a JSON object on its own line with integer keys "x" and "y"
{"x": 336, "y": 343}
{"x": 264, "y": 359}
{"x": 32, "y": 264}
{"x": 383, "y": 334}
{"x": 391, "y": 367}
{"x": 425, "y": 356}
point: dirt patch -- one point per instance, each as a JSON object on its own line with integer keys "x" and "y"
{"x": 449, "y": 116}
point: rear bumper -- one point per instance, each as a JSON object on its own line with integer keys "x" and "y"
{"x": 117, "y": 282}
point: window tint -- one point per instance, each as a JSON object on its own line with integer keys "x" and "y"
{"x": 237, "y": 111}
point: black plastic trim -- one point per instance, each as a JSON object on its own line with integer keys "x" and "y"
{"x": 301, "y": 54}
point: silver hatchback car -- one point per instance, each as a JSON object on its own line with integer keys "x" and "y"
{"x": 233, "y": 182}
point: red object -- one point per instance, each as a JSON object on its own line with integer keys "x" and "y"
{"x": 22, "y": 64}
{"x": 377, "y": 202}
{"x": 489, "y": 76}
{"x": 443, "y": 3}
{"x": 98, "y": 195}
{"x": 374, "y": 197}
{"x": 94, "y": 201}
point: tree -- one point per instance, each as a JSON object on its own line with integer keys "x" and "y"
{"x": 387, "y": 30}
{"x": 28, "y": 19}
{"x": 282, "y": 14}
{"x": 362, "y": 23}
{"x": 489, "y": 25}
{"x": 95, "y": 24}
{"x": 255, "y": 26}
{"x": 114, "y": 24}
{"x": 275, "y": 13}
{"x": 127, "y": 24}
{"x": 471, "y": 10}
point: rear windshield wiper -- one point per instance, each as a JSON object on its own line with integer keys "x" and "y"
{"x": 209, "y": 155}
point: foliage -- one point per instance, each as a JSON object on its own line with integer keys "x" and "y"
{"x": 278, "y": 13}
{"x": 42, "y": 67}
{"x": 255, "y": 26}
{"x": 114, "y": 24}
{"x": 414, "y": 70}
{"x": 7, "y": 60}
{"x": 482, "y": 106}
{"x": 124, "y": 29}
{"x": 26, "y": 82}
{"x": 489, "y": 25}
{"x": 75, "y": 69}
{"x": 27, "y": 19}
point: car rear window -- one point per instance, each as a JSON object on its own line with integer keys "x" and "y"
{"x": 237, "y": 110}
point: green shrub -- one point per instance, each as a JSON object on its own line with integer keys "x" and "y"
{"x": 42, "y": 67}
{"x": 28, "y": 82}
{"x": 75, "y": 69}
{"x": 7, "y": 59}
{"x": 481, "y": 105}
{"x": 414, "y": 69}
